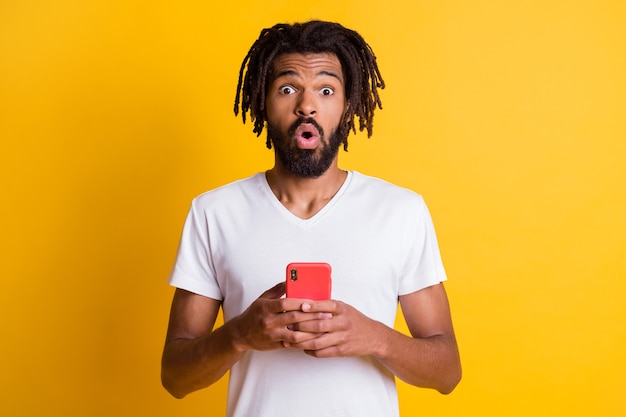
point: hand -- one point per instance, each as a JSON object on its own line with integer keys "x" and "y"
{"x": 347, "y": 333}
{"x": 271, "y": 322}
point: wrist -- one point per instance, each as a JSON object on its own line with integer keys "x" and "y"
{"x": 236, "y": 336}
{"x": 382, "y": 345}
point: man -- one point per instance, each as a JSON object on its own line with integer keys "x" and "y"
{"x": 306, "y": 83}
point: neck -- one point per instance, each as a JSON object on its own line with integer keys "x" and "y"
{"x": 304, "y": 197}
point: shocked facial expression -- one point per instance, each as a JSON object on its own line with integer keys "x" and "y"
{"x": 305, "y": 105}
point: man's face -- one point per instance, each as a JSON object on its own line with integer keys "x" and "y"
{"x": 305, "y": 104}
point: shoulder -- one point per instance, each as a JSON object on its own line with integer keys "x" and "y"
{"x": 233, "y": 193}
{"x": 382, "y": 191}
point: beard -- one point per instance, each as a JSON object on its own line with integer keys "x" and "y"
{"x": 305, "y": 163}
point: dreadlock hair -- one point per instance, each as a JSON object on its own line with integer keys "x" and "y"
{"x": 358, "y": 62}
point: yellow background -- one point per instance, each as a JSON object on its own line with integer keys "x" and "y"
{"x": 508, "y": 116}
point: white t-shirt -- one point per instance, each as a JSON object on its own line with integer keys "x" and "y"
{"x": 379, "y": 240}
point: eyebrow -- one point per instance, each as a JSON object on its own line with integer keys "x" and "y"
{"x": 287, "y": 73}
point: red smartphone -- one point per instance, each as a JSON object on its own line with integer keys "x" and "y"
{"x": 310, "y": 280}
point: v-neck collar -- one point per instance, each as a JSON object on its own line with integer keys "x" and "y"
{"x": 284, "y": 211}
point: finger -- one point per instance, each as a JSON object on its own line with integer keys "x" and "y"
{"x": 296, "y": 304}
{"x": 321, "y": 344}
{"x": 328, "y": 352}
{"x": 318, "y": 323}
{"x": 276, "y": 291}
{"x": 297, "y": 339}
{"x": 327, "y": 306}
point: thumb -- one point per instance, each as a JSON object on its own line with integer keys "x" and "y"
{"x": 276, "y": 291}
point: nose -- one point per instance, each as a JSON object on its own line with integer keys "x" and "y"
{"x": 306, "y": 106}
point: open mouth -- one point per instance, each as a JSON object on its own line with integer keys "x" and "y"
{"x": 307, "y": 136}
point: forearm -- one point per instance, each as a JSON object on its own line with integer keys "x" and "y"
{"x": 191, "y": 364}
{"x": 431, "y": 362}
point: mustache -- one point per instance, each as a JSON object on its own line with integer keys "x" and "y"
{"x": 305, "y": 120}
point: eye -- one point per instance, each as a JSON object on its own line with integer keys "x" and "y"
{"x": 327, "y": 91}
{"x": 287, "y": 89}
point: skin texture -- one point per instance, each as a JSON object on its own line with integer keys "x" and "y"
{"x": 287, "y": 94}
{"x": 196, "y": 355}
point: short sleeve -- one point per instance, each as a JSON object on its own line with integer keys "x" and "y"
{"x": 424, "y": 266}
{"x": 193, "y": 268}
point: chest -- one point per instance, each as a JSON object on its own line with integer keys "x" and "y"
{"x": 367, "y": 254}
